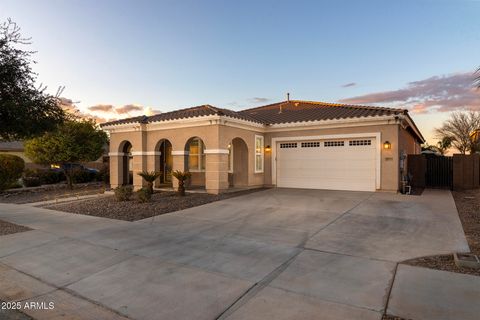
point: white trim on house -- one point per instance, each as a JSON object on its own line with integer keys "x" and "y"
{"x": 180, "y": 153}
{"x": 247, "y": 125}
{"x": 378, "y": 156}
{"x": 261, "y": 153}
{"x": 215, "y": 151}
{"x": 116, "y": 154}
{"x": 146, "y": 153}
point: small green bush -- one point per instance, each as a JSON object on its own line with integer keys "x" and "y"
{"x": 46, "y": 176}
{"x": 31, "y": 181}
{"x": 15, "y": 185}
{"x": 123, "y": 193}
{"x": 83, "y": 176}
{"x": 144, "y": 195}
{"x": 11, "y": 168}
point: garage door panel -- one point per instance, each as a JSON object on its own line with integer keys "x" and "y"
{"x": 336, "y": 167}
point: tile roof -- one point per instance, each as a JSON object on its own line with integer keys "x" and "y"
{"x": 301, "y": 111}
{"x": 277, "y": 113}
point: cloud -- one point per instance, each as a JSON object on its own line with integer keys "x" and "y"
{"x": 69, "y": 106}
{"x": 101, "y": 107}
{"x": 128, "y": 108}
{"x": 440, "y": 93}
{"x": 258, "y": 100}
{"x": 350, "y": 84}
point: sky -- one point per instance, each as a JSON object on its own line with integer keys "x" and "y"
{"x": 125, "y": 58}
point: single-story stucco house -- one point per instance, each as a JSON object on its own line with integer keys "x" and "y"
{"x": 295, "y": 144}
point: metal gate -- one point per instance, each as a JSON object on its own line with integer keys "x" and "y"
{"x": 430, "y": 171}
{"x": 439, "y": 173}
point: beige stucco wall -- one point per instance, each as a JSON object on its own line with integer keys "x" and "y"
{"x": 218, "y": 136}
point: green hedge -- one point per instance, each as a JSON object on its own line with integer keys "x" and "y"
{"x": 11, "y": 168}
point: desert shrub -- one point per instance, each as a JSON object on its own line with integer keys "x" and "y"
{"x": 32, "y": 181}
{"x": 144, "y": 195}
{"x": 11, "y": 168}
{"x": 15, "y": 185}
{"x": 123, "y": 193}
{"x": 51, "y": 176}
{"x": 181, "y": 176}
{"x": 103, "y": 175}
{"x": 149, "y": 177}
{"x": 83, "y": 176}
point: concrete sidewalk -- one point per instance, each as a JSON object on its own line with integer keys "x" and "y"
{"x": 273, "y": 254}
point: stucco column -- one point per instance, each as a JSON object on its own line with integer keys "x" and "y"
{"x": 178, "y": 163}
{"x": 115, "y": 169}
{"x": 139, "y": 165}
{"x": 216, "y": 170}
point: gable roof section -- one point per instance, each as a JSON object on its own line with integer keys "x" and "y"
{"x": 301, "y": 111}
{"x": 292, "y": 111}
{"x": 193, "y": 112}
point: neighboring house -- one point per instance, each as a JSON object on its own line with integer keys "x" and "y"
{"x": 294, "y": 144}
{"x": 16, "y": 148}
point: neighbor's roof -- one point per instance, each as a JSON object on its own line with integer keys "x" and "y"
{"x": 11, "y": 146}
{"x": 281, "y": 112}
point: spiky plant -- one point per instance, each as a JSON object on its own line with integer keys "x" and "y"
{"x": 181, "y": 176}
{"x": 150, "y": 177}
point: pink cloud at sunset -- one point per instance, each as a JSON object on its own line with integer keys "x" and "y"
{"x": 439, "y": 93}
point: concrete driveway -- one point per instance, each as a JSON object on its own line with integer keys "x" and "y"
{"x": 274, "y": 254}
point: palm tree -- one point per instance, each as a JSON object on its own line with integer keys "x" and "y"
{"x": 443, "y": 145}
{"x": 181, "y": 177}
{"x": 150, "y": 178}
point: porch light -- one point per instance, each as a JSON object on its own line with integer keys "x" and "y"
{"x": 387, "y": 145}
{"x": 268, "y": 149}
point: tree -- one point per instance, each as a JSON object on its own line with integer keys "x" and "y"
{"x": 460, "y": 128}
{"x": 443, "y": 145}
{"x": 25, "y": 110}
{"x": 72, "y": 142}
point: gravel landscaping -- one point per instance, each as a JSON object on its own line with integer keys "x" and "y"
{"x": 161, "y": 202}
{"x": 468, "y": 206}
{"x": 49, "y": 192}
{"x": 389, "y": 317}
{"x": 9, "y": 228}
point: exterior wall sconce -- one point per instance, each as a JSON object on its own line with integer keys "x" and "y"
{"x": 387, "y": 145}
{"x": 268, "y": 148}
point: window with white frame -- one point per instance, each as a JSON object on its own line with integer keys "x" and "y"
{"x": 196, "y": 155}
{"x": 230, "y": 157}
{"x": 259, "y": 149}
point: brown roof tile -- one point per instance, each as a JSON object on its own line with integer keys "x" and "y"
{"x": 281, "y": 112}
{"x": 301, "y": 111}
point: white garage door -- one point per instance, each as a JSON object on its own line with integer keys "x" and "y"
{"x": 340, "y": 164}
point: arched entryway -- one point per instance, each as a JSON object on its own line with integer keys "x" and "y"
{"x": 195, "y": 161}
{"x": 164, "y": 162}
{"x": 238, "y": 163}
{"x": 125, "y": 176}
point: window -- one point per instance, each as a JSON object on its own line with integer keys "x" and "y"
{"x": 314, "y": 144}
{"x": 288, "y": 145}
{"x": 196, "y": 155}
{"x": 230, "y": 157}
{"x": 360, "y": 143}
{"x": 259, "y": 148}
{"x": 334, "y": 143}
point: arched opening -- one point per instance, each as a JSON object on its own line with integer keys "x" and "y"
{"x": 163, "y": 163}
{"x": 195, "y": 161}
{"x": 238, "y": 163}
{"x": 125, "y": 165}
